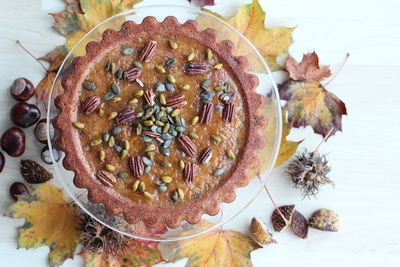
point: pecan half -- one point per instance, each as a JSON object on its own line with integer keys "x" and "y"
{"x": 152, "y": 134}
{"x": 90, "y": 104}
{"x": 186, "y": 145}
{"x": 132, "y": 74}
{"x": 106, "y": 178}
{"x": 205, "y": 156}
{"x": 126, "y": 116}
{"x": 196, "y": 68}
{"x": 136, "y": 165}
{"x": 148, "y": 51}
{"x": 190, "y": 172}
{"x": 148, "y": 97}
{"x": 229, "y": 112}
{"x": 228, "y": 97}
{"x": 206, "y": 113}
{"x": 177, "y": 101}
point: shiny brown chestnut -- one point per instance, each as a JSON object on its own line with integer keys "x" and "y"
{"x": 2, "y": 161}
{"x": 45, "y": 155}
{"x": 17, "y": 189}
{"x": 13, "y": 142}
{"x": 22, "y": 89}
{"x": 41, "y": 131}
{"x": 24, "y": 114}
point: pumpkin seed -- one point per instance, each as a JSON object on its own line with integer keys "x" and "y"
{"x": 110, "y": 167}
{"x": 227, "y": 87}
{"x": 106, "y": 137}
{"x": 108, "y": 66}
{"x": 162, "y": 188}
{"x": 230, "y": 154}
{"x": 147, "y": 161}
{"x": 165, "y": 151}
{"x": 170, "y": 62}
{"x": 133, "y": 102}
{"x": 219, "y": 172}
{"x": 204, "y": 84}
{"x": 181, "y": 194}
{"x": 166, "y": 164}
{"x": 126, "y": 145}
{"x": 113, "y": 67}
{"x": 160, "y": 87}
{"x": 118, "y": 148}
{"x": 116, "y": 130}
{"x": 166, "y": 179}
{"x": 181, "y": 164}
{"x": 128, "y": 51}
{"x": 170, "y": 87}
{"x": 206, "y": 96}
{"x": 209, "y": 54}
{"x": 180, "y": 129}
{"x": 139, "y": 81}
{"x": 166, "y": 128}
{"x": 124, "y": 154}
{"x": 139, "y": 129}
{"x": 219, "y": 88}
{"x": 172, "y": 44}
{"x": 122, "y": 175}
{"x": 167, "y": 143}
{"x": 184, "y": 87}
{"x": 89, "y": 86}
{"x": 112, "y": 115}
{"x": 218, "y": 66}
{"x": 147, "y": 170}
{"x": 195, "y": 120}
{"x": 139, "y": 93}
{"x": 108, "y": 96}
{"x": 78, "y": 124}
{"x": 190, "y": 57}
{"x": 160, "y": 69}
{"x": 101, "y": 112}
{"x": 119, "y": 74}
{"x": 115, "y": 88}
{"x": 160, "y": 123}
{"x": 176, "y": 112}
{"x": 135, "y": 185}
{"x": 147, "y": 195}
{"x": 151, "y": 147}
{"x": 116, "y": 99}
{"x": 169, "y": 110}
{"x": 216, "y": 138}
{"x": 193, "y": 135}
{"x": 102, "y": 155}
{"x": 148, "y": 123}
{"x": 174, "y": 196}
{"x": 137, "y": 64}
{"x": 171, "y": 79}
{"x": 111, "y": 141}
{"x": 96, "y": 142}
{"x": 162, "y": 99}
{"x": 142, "y": 186}
{"x": 150, "y": 155}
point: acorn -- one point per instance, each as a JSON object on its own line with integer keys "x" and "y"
{"x": 280, "y": 223}
{"x": 260, "y": 233}
{"x": 324, "y": 220}
{"x": 299, "y": 225}
{"x": 33, "y": 172}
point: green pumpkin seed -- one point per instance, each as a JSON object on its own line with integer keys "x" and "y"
{"x": 128, "y": 51}
{"x": 219, "y": 172}
{"x": 230, "y": 154}
{"x": 116, "y": 99}
{"x": 181, "y": 194}
{"x": 166, "y": 128}
{"x": 119, "y": 74}
{"x": 89, "y": 86}
{"x": 151, "y": 147}
{"x": 166, "y": 179}
{"x": 108, "y": 66}
{"x": 122, "y": 175}
{"x": 170, "y": 62}
{"x": 190, "y": 57}
{"x": 139, "y": 129}
{"x": 171, "y": 79}
{"x": 209, "y": 54}
{"x": 219, "y": 88}
{"x": 124, "y": 154}
{"x": 204, "y": 84}
{"x": 113, "y": 67}
{"x": 137, "y": 64}
{"x": 135, "y": 185}
{"x": 184, "y": 87}
{"x": 193, "y": 135}
{"x": 116, "y": 130}
{"x": 139, "y": 93}
{"x": 78, "y": 124}
{"x": 160, "y": 69}
{"x": 96, "y": 142}
{"x": 162, "y": 99}
{"x": 166, "y": 164}
{"x": 102, "y": 155}
{"x": 148, "y": 123}
{"x": 133, "y": 102}
{"x": 126, "y": 145}
{"x": 112, "y": 115}
{"x": 181, "y": 164}
{"x": 147, "y": 195}
{"x": 218, "y": 66}
{"x": 108, "y": 95}
{"x": 195, "y": 120}
{"x": 111, "y": 141}
{"x": 106, "y": 137}
{"x": 142, "y": 186}
{"x": 162, "y": 188}
{"x": 115, "y": 88}
{"x": 110, "y": 167}
{"x": 172, "y": 44}
{"x": 139, "y": 81}
{"x": 176, "y": 112}
{"x": 216, "y": 138}
{"x": 160, "y": 123}
{"x": 175, "y": 196}
{"x": 150, "y": 155}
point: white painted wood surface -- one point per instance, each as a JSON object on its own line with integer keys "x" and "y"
{"x": 364, "y": 158}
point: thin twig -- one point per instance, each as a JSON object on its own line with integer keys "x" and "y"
{"x": 323, "y": 140}
{"x": 35, "y": 58}
{"x": 338, "y": 71}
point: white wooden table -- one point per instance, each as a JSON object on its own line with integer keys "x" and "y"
{"x": 364, "y": 158}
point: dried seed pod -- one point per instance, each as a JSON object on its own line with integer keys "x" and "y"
{"x": 33, "y": 172}
{"x": 280, "y": 223}
{"x": 299, "y": 225}
{"x": 260, "y": 233}
{"x": 324, "y": 220}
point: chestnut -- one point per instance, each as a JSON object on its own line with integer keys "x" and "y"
{"x": 2, "y": 161}
{"x": 13, "y": 142}
{"x": 41, "y": 131}
{"x": 17, "y": 189}
{"x": 24, "y": 114}
{"x": 22, "y": 89}
{"x": 45, "y": 155}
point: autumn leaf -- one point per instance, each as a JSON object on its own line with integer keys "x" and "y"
{"x": 250, "y": 21}
{"x": 308, "y": 102}
{"x": 287, "y": 148}
{"x": 49, "y": 221}
{"x": 144, "y": 229}
{"x": 74, "y": 23}
{"x": 133, "y": 255}
{"x": 219, "y": 247}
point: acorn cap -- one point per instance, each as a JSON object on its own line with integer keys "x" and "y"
{"x": 260, "y": 233}
{"x": 33, "y": 172}
{"x": 299, "y": 225}
{"x": 278, "y": 222}
{"x": 324, "y": 220}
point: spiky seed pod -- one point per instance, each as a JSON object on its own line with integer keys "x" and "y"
{"x": 308, "y": 171}
{"x": 97, "y": 238}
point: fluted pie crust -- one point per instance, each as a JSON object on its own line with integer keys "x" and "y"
{"x": 164, "y": 212}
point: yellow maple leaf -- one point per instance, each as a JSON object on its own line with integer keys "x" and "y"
{"x": 249, "y": 20}
{"x": 74, "y": 24}
{"x": 49, "y": 221}
{"x": 133, "y": 255}
{"x": 219, "y": 247}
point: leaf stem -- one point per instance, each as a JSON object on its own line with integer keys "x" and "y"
{"x": 29, "y": 53}
{"x": 323, "y": 140}
{"x": 338, "y": 71}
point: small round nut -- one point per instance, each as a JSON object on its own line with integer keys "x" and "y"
{"x": 22, "y": 89}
